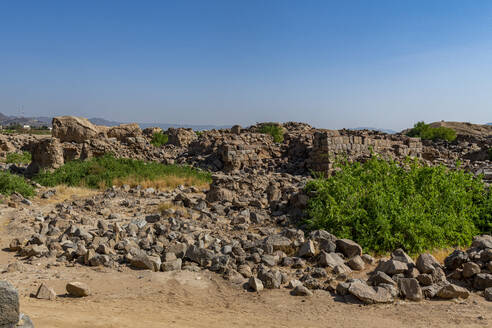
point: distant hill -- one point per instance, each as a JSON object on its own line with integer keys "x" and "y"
{"x": 6, "y": 120}
{"x": 164, "y": 126}
{"x": 375, "y": 129}
{"x": 466, "y": 128}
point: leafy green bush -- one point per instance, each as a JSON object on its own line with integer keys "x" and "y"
{"x": 159, "y": 139}
{"x": 490, "y": 154}
{"x": 275, "y": 130}
{"x": 425, "y": 131}
{"x": 10, "y": 183}
{"x": 105, "y": 170}
{"x": 384, "y": 206}
{"x": 19, "y": 158}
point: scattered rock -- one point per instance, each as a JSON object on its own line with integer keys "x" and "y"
{"x": 45, "y": 293}
{"x": 300, "y": 290}
{"x": 255, "y": 284}
{"x": 391, "y": 267}
{"x": 356, "y": 263}
{"x": 470, "y": 269}
{"x": 369, "y": 295}
{"x": 307, "y": 249}
{"x": 426, "y": 263}
{"x": 329, "y": 259}
{"x": 482, "y": 281}
{"x": 348, "y": 247}
{"x": 410, "y": 289}
{"x": 380, "y": 277}
{"x": 488, "y": 294}
{"x": 452, "y": 291}
{"x": 455, "y": 260}
{"x": 78, "y": 289}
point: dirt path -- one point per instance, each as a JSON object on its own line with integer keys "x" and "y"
{"x": 187, "y": 299}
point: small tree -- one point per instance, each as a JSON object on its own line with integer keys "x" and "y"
{"x": 425, "y": 131}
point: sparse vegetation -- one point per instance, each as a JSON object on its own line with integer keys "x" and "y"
{"x": 273, "y": 129}
{"x": 19, "y": 129}
{"x": 384, "y": 206}
{"x": 18, "y": 158}
{"x": 425, "y": 131}
{"x": 10, "y": 183}
{"x": 107, "y": 170}
{"x": 159, "y": 139}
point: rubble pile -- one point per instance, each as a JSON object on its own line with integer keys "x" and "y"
{"x": 250, "y": 244}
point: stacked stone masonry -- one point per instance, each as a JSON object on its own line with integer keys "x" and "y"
{"x": 328, "y": 145}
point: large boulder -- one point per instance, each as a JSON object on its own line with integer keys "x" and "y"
{"x": 124, "y": 131}
{"x": 410, "y": 289}
{"x": 78, "y": 289}
{"x": 6, "y": 145}
{"x": 46, "y": 154}
{"x": 9, "y": 305}
{"x": 482, "y": 242}
{"x": 452, "y": 291}
{"x": 348, "y": 247}
{"x": 426, "y": 263}
{"x": 329, "y": 260}
{"x": 181, "y": 137}
{"x": 74, "y": 129}
{"x": 368, "y": 294}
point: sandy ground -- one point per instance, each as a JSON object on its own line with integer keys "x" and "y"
{"x": 186, "y": 299}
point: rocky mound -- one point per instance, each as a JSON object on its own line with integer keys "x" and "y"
{"x": 466, "y": 129}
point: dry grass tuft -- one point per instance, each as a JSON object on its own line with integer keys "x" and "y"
{"x": 64, "y": 192}
{"x": 164, "y": 183}
{"x": 441, "y": 253}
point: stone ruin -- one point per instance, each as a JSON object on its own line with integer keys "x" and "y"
{"x": 304, "y": 149}
{"x": 328, "y": 145}
{"x": 244, "y": 226}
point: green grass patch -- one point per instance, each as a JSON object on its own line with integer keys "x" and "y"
{"x": 19, "y": 158}
{"x": 159, "y": 139}
{"x": 425, "y": 131}
{"x": 275, "y": 130}
{"x": 105, "y": 171}
{"x": 10, "y": 183}
{"x": 383, "y": 206}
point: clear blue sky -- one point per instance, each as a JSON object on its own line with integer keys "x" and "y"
{"x": 331, "y": 64}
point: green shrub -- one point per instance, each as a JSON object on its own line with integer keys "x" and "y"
{"x": 104, "y": 171}
{"x": 490, "y": 154}
{"x": 159, "y": 139}
{"x": 384, "y": 206}
{"x": 19, "y": 158}
{"x": 275, "y": 130}
{"x": 425, "y": 131}
{"x": 10, "y": 183}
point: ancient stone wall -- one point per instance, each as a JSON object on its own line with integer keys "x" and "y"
{"x": 355, "y": 145}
